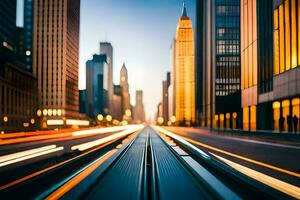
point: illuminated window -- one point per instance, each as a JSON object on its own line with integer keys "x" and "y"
{"x": 287, "y": 35}
{"x": 246, "y": 118}
{"x": 276, "y": 43}
{"x": 294, "y": 34}
{"x": 285, "y": 112}
{"x": 281, "y": 38}
{"x": 276, "y": 114}
{"x": 298, "y": 11}
{"x": 253, "y": 118}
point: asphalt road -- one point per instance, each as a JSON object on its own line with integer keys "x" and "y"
{"x": 281, "y": 157}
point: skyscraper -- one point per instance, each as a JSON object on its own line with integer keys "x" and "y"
{"x": 125, "y": 90}
{"x": 270, "y": 64}
{"x": 96, "y": 86}
{"x": 55, "y": 57}
{"x": 107, "y": 49}
{"x": 139, "y": 113}
{"x": 28, "y": 33}
{"x": 184, "y": 71}
{"x": 7, "y": 28}
{"x": 165, "y": 98}
{"x": 218, "y": 63}
{"x": 18, "y": 88}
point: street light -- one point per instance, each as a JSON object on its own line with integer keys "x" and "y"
{"x": 173, "y": 119}
{"x": 108, "y": 118}
{"x": 100, "y": 117}
{"x": 39, "y": 113}
{"x": 160, "y": 120}
{"x": 128, "y": 113}
{"x": 5, "y": 119}
{"x": 32, "y": 121}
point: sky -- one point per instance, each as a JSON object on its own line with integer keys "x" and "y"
{"x": 141, "y": 33}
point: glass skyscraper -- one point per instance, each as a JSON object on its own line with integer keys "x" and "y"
{"x": 218, "y": 63}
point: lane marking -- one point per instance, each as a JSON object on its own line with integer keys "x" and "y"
{"x": 215, "y": 134}
{"x": 242, "y": 157}
{"x": 31, "y": 156}
{"x": 282, "y": 186}
{"x": 78, "y": 178}
{"x": 88, "y": 145}
{"x": 25, "y": 178}
{"x": 25, "y": 153}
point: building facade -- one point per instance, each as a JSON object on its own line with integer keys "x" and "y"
{"x": 139, "y": 112}
{"x": 270, "y": 65}
{"x": 55, "y": 57}
{"x": 218, "y": 101}
{"x": 184, "y": 71}
{"x": 18, "y": 88}
{"x": 165, "y": 98}
{"x": 96, "y": 86}
{"x": 28, "y": 33}
{"x": 117, "y": 112}
{"x": 107, "y": 49}
{"x": 126, "y": 106}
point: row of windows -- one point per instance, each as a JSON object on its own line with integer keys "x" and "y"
{"x": 286, "y": 36}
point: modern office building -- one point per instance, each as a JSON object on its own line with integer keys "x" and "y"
{"x": 18, "y": 88}
{"x": 139, "y": 112}
{"x": 165, "y": 98}
{"x": 286, "y": 82}
{"x": 184, "y": 71}
{"x": 116, "y": 111}
{"x": 126, "y": 106}
{"x": 28, "y": 33}
{"x": 218, "y": 102}
{"x": 96, "y": 86}
{"x": 7, "y": 29}
{"x": 270, "y": 65}
{"x": 107, "y": 49}
{"x": 171, "y": 89}
{"x": 55, "y": 58}
{"x": 82, "y": 101}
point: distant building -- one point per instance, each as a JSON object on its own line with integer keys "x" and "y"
{"x": 184, "y": 71}
{"x": 107, "y": 49}
{"x": 96, "y": 86}
{"x": 218, "y": 93}
{"x": 126, "y": 106}
{"x": 139, "y": 112}
{"x": 82, "y": 101}
{"x": 117, "y": 103}
{"x": 165, "y": 98}
{"x": 55, "y": 58}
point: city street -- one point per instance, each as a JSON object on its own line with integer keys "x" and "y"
{"x": 278, "y": 160}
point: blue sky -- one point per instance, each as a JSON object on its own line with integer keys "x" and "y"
{"x": 141, "y": 32}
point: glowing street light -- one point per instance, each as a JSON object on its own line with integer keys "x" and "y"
{"x": 5, "y": 119}
{"x": 108, "y": 118}
{"x": 128, "y": 113}
{"x": 45, "y": 112}
{"x": 160, "y": 120}
{"x": 173, "y": 119}
{"x": 100, "y": 117}
{"x": 32, "y": 121}
{"x": 39, "y": 113}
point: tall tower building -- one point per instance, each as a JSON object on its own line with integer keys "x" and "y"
{"x": 184, "y": 71}
{"x": 55, "y": 56}
{"x": 107, "y": 49}
{"x": 139, "y": 113}
{"x": 218, "y": 63}
{"x": 125, "y": 90}
{"x": 28, "y": 33}
{"x": 96, "y": 85}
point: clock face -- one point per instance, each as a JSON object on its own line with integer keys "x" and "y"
{"x": 123, "y": 78}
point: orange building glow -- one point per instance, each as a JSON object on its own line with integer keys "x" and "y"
{"x": 184, "y": 70}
